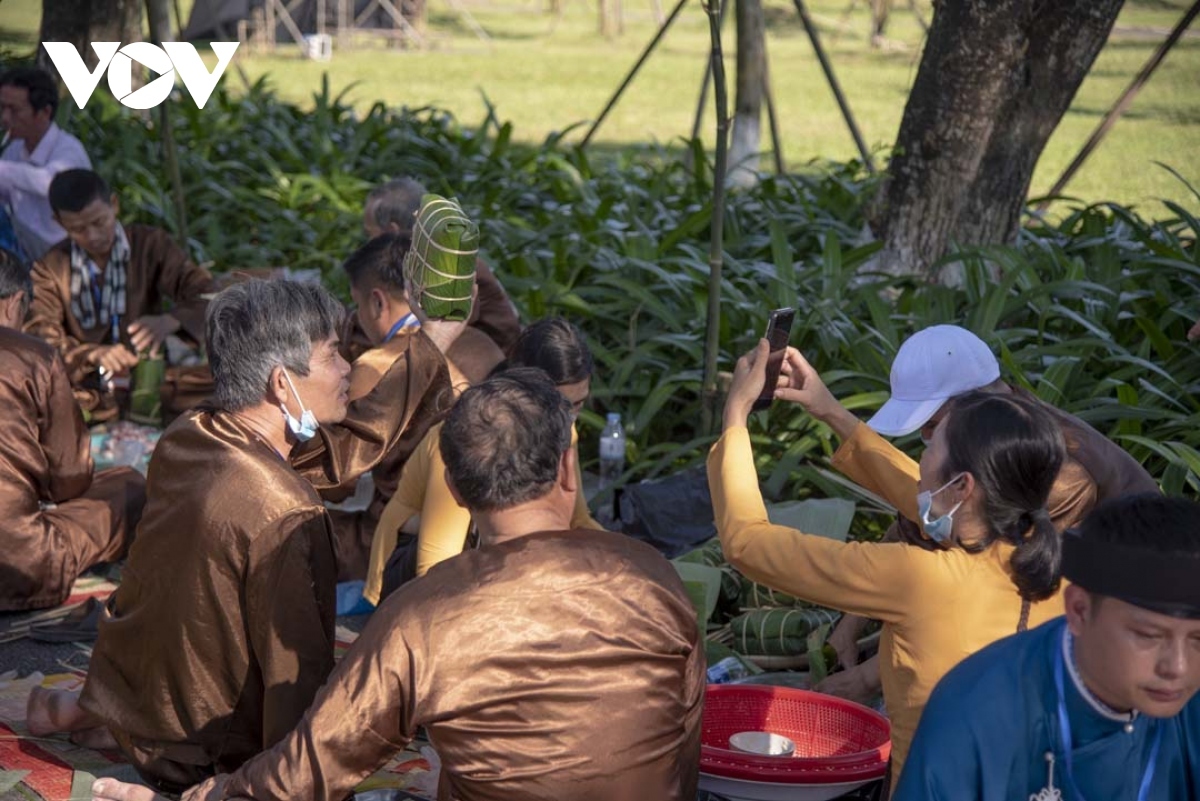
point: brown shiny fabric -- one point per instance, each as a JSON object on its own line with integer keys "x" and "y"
{"x": 1108, "y": 467}
{"x": 222, "y": 628}
{"x": 159, "y": 270}
{"x": 494, "y": 314}
{"x": 558, "y": 666}
{"x": 59, "y": 520}
{"x": 398, "y": 391}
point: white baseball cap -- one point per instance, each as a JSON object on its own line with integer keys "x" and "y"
{"x": 933, "y": 366}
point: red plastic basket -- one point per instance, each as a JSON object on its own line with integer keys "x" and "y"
{"x": 836, "y": 740}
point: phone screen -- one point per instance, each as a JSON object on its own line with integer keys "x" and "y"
{"x": 779, "y": 331}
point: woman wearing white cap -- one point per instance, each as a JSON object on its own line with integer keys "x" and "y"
{"x": 932, "y": 367}
{"x": 983, "y": 486}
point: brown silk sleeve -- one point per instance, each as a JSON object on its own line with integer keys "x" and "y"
{"x": 363, "y": 715}
{"x": 403, "y": 406}
{"x": 185, "y": 283}
{"x": 64, "y": 437}
{"x": 284, "y": 619}
{"x": 494, "y": 312}
{"x": 47, "y": 319}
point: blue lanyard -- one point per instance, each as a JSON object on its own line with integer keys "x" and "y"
{"x": 407, "y": 321}
{"x": 97, "y": 293}
{"x": 98, "y": 299}
{"x": 1064, "y": 727}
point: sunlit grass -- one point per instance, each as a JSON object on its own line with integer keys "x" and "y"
{"x": 546, "y": 76}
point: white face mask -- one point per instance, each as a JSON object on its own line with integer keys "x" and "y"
{"x": 306, "y": 427}
{"x": 938, "y": 529}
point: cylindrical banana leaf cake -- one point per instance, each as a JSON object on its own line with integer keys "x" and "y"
{"x": 145, "y": 398}
{"x": 439, "y": 269}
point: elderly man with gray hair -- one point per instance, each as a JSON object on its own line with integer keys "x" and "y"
{"x": 60, "y": 519}
{"x": 222, "y": 628}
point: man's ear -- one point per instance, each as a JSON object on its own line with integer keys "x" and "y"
{"x": 277, "y": 389}
{"x": 1078, "y": 607}
{"x": 115, "y": 202}
{"x": 568, "y": 472}
{"x": 379, "y": 301}
{"x": 453, "y": 489}
{"x": 12, "y": 308}
{"x": 391, "y": 228}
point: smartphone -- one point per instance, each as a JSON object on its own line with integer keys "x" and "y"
{"x": 779, "y": 331}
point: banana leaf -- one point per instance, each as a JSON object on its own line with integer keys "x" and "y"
{"x": 439, "y": 269}
{"x": 778, "y": 632}
{"x": 145, "y": 393}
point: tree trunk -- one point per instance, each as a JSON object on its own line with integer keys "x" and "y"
{"x": 81, "y": 22}
{"x": 1059, "y": 58}
{"x": 995, "y": 79}
{"x": 751, "y": 67}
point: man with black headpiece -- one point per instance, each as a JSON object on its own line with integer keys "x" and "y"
{"x": 1099, "y": 705}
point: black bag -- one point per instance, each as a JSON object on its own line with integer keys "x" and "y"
{"x": 673, "y": 513}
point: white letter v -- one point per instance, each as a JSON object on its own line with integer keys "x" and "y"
{"x": 80, "y": 83}
{"x": 196, "y": 77}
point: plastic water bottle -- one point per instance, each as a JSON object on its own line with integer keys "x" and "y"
{"x": 728, "y": 669}
{"x": 612, "y": 451}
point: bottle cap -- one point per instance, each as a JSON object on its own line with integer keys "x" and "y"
{"x": 614, "y": 417}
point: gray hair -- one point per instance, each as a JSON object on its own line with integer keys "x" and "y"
{"x": 15, "y": 277}
{"x": 397, "y": 201}
{"x": 256, "y": 326}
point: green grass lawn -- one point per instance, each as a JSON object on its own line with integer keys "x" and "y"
{"x": 545, "y": 77}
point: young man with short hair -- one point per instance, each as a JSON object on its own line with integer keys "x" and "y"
{"x": 100, "y": 293}
{"x": 396, "y": 336}
{"x": 1100, "y": 704}
{"x": 37, "y": 150}
{"x": 392, "y": 208}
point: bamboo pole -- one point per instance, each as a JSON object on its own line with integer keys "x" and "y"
{"x": 704, "y": 82}
{"x": 827, "y": 68}
{"x": 160, "y": 31}
{"x": 716, "y": 249}
{"x": 1122, "y": 104}
{"x": 662, "y": 30}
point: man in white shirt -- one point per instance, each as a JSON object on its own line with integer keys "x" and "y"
{"x": 36, "y": 150}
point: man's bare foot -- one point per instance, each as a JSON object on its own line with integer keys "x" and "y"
{"x": 98, "y": 739}
{"x": 113, "y": 790}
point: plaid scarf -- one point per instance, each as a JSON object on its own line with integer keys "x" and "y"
{"x": 94, "y": 303}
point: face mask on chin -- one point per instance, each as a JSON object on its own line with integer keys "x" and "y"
{"x": 306, "y": 427}
{"x": 939, "y": 530}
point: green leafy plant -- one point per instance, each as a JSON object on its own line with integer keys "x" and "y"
{"x": 1089, "y": 312}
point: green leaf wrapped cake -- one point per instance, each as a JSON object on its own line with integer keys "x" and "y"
{"x": 145, "y": 398}
{"x": 778, "y": 632}
{"x": 439, "y": 269}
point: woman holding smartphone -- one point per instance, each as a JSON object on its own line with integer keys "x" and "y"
{"x": 984, "y": 482}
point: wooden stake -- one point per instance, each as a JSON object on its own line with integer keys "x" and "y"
{"x": 716, "y": 248}
{"x": 632, "y": 73}
{"x": 827, "y": 68}
{"x": 1123, "y": 103}
{"x": 160, "y": 31}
